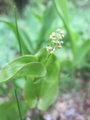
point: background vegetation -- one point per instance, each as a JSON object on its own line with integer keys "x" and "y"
{"x": 35, "y": 23}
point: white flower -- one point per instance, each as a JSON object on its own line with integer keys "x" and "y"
{"x": 58, "y": 30}
{"x": 53, "y": 36}
{"x": 50, "y": 49}
{"x": 55, "y": 40}
{"x": 62, "y": 42}
{"x": 59, "y": 46}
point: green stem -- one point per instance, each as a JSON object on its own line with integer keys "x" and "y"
{"x": 18, "y": 105}
{"x": 20, "y": 47}
{"x": 47, "y": 58}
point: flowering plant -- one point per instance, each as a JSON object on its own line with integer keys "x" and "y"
{"x": 40, "y": 72}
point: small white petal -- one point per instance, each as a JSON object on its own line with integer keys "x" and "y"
{"x": 52, "y": 50}
{"x": 62, "y": 42}
{"x": 49, "y": 48}
{"x": 50, "y": 37}
{"x": 58, "y": 30}
{"x": 53, "y": 34}
{"x": 61, "y": 32}
{"x": 56, "y": 41}
{"x": 62, "y": 35}
{"x": 59, "y": 46}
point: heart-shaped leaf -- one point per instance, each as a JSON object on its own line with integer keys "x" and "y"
{"x": 49, "y": 85}
{"x": 20, "y": 67}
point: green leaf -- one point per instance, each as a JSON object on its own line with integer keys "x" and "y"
{"x": 42, "y": 55}
{"x": 34, "y": 69}
{"x": 9, "y": 111}
{"x": 32, "y": 85}
{"x": 30, "y": 92}
{"x": 82, "y": 52}
{"x": 27, "y": 40}
{"x": 63, "y": 9}
{"x": 49, "y": 85}
{"x": 48, "y": 13}
{"x": 22, "y": 66}
{"x": 42, "y": 91}
{"x": 22, "y": 39}
{"x": 9, "y": 70}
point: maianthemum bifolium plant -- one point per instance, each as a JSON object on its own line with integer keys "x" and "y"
{"x": 40, "y": 72}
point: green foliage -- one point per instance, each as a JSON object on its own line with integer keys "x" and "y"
{"x": 63, "y": 14}
{"x": 8, "y": 110}
{"x": 78, "y": 52}
{"x": 46, "y": 23}
{"x": 82, "y": 52}
{"x": 43, "y": 92}
{"x": 41, "y": 83}
{"x": 49, "y": 86}
{"x": 40, "y": 70}
{"x": 22, "y": 38}
{"x": 62, "y": 8}
{"x": 22, "y": 67}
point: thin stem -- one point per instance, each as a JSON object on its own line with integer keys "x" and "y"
{"x": 20, "y": 47}
{"x": 18, "y": 105}
{"x": 47, "y": 58}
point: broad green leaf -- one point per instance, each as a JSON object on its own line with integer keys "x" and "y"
{"x": 46, "y": 24}
{"x": 25, "y": 42}
{"x": 42, "y": 91}
{"x": 30, "y": 92}
{"x": 34, "y": 69}
{"x": 49, "y": 85}
{"x": 9, "y": 110}
{"x": 63, "y": 9}
{"x": 32, "y": 85}
{"x": 82, "y": 52}
{"x": 9, "y": 70}
{"x": 21, "y": 67}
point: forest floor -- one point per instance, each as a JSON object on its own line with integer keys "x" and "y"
{"x": 70, "y": 107}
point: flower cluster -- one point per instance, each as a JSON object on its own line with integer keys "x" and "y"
{"x": 55, "y": 40}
